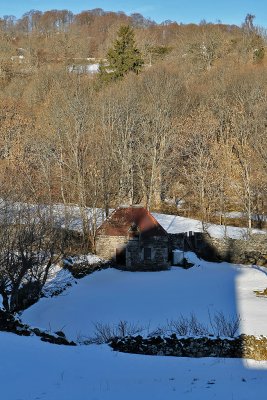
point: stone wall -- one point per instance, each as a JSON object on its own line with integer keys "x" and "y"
{"x": 250, "y": 251}
{"x": 106, "y": 247}
{"x": 8, "y": 323}
{"x": 159, "y": 252}
{"x": 241, "y": 347}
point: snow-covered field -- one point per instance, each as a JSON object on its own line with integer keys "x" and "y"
{"x": 171, "y": 223}
{"x": 177, "y": 224}
{"x": 50, "y": 372}
{"x": 152, "y": 298}
{"x": 34, "y": 370}
{"x": 31, "y": 369}
{"x": 70, "y": 217}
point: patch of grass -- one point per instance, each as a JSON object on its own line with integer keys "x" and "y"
{"x": 261, "y": 293}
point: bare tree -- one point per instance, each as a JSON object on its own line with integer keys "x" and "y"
{"x": 29, "y": 244}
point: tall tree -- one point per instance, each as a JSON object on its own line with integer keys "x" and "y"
{"x": 124, "y": 56}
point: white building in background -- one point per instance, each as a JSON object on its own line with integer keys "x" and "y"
{"x": 84, "y": 69}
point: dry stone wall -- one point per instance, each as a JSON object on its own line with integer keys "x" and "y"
{"x": 250, "y": 251}
{"x": 241, "y": 347}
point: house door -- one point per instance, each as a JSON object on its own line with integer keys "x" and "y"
{"x": 121, "y": 255}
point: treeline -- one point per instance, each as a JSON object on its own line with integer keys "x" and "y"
{"x": 58, "y": 36}
{"x": 189, "y": 129}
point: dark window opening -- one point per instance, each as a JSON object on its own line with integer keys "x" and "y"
{"x": 147, "y": 253}
{"x": 133, "y": 231}
{"x": 121, "y": 256}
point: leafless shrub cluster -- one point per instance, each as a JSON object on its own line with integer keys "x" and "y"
{"x": 224, "y": 326}
{"x": 104, "y": 332}
{"x": 219, "y": 325}
{"x": 187, "y": 326}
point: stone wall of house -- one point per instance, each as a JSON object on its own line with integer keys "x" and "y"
{"x": 250, "y": 251}
{"x": 241, "y": 347}
{"x": 159, "y": 253}
{"x": 106, "y": 247}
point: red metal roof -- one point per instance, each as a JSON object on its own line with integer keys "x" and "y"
{"x": 122, "y": 219}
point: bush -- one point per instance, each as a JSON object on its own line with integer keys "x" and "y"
{"x": 104, "y": 333}
{"x": 219, "y": 325}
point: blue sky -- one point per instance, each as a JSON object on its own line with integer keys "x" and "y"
{"x": 228, "y": 11}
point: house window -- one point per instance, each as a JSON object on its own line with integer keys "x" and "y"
{"x": 133, "y": 231}
{"x": 147, "y": 253}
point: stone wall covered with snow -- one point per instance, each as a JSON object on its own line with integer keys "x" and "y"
{"x": 245, "y": 251}
{"x": 243, "y": 346}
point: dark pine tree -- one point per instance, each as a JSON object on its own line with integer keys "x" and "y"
{"x": 123, "y": 57}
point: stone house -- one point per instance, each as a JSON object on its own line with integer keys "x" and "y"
{"x": 133, "y": 239}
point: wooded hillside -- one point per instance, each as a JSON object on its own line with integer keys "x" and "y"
{"x": 189, "y": 127}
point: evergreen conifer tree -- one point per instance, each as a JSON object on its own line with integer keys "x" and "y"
{"x": 123, "y": 57}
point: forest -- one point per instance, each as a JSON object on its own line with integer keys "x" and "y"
{"x": 185, "y": 132}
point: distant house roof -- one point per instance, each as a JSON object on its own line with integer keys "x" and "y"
{"x": 124, "y": 218}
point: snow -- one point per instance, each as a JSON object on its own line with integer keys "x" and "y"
{"x": 70, "y": 217}
{"x": 177, "y": 224}
{"x": 89, "y": 259}
{"x": 84, "y": 69}
{"x": 251, "y": 308}
{"x": 151, "y": 298}
{"x": 238, "y": 214}
{"x": 50, "y": 372}
{"x": 59, "y": 279}
{"x": 171, "y": 223}
{"x": 31, "y": 370}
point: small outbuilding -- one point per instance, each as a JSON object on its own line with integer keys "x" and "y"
{"x": 133, "y": 239}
